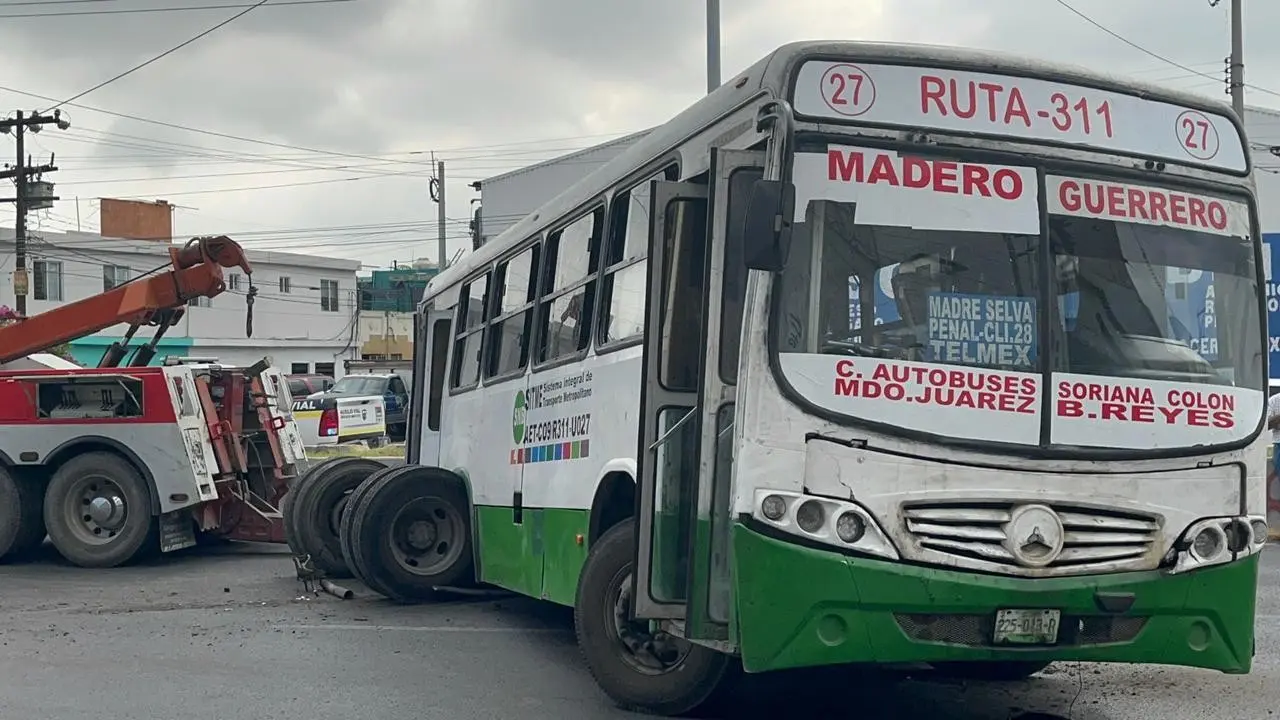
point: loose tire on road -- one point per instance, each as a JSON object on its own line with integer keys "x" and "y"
{"x": 21, "y": 515}
{"x": 287, "y": 502}
{"x": 97, "y": 509}
{"x": 999, "y": 671}
{"x": 695, "y": 677}
{"x": 321, "y": 498}
{"x": 411, "y": 533}
{"x": 356, "y": 506}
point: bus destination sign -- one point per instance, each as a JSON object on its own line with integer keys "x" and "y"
{"x": 1016, "y": 107}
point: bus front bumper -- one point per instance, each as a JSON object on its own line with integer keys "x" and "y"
{"x": 800, "y": 607}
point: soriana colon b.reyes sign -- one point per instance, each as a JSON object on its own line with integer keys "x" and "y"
{"x": 1018, "y": 108}
{"x": 1006, "y": 406}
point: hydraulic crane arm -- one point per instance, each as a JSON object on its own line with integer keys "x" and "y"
{"x": 153, "y": 299}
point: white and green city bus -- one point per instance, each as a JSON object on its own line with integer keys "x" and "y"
{"x": 877, "y": 354}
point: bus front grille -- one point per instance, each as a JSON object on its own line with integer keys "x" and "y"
{"x": 1049, "y": 536}
{"x": 978, "y": 630}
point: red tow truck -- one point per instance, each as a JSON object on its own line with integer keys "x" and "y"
{"x": 124, "y": 459}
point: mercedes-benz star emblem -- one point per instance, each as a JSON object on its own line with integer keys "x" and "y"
{"x": 1034, "y": 535}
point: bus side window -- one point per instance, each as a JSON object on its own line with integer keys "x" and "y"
{"x": 568, "y": 288}
{"x": 435, "y": 380}
{"x": 471, "y": 316}
{"x": 515, "y": 288}
{"x": 625, "y": 280}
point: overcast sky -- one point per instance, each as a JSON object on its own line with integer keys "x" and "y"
{"x": 356, "y": 95}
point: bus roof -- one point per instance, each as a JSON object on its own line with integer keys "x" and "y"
{"x": 772, "y": 75}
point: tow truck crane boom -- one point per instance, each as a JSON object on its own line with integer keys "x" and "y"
{"x": 158, "y": 299}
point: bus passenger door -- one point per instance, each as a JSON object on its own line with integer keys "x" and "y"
{"x": 694, "y": 319}
{"x": 432, "y": 332}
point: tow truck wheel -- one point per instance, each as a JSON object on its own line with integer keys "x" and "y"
{"x": 411, "y": 533}
{"x": 98, "y": 511}
{"x": 639, "y": 669}
{"x": 21, "y": 515}
{"x": 997, "y": 671}
{"x": 322, "y": 497}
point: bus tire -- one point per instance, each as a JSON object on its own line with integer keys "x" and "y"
{"x": 322, "y": 496}
{"x": 21, "y": 515}
{"x": 990, "y": 671}
{"x": 97, "y": 509}
{"x": 356, "y": 507}
{"x": 412, "y": 533}
{"x": 604, "y": 586}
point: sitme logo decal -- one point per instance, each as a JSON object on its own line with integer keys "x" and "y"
{"x": 522, "y": 433}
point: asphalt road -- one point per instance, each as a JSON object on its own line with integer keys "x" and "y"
{"x": 229, "y": 634}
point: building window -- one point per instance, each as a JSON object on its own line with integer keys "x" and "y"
{"x": 113, "y": 276}
{"x": 329, "y": 295}
{"x": 285, "y": 285}
{"x": 46, "y": 279}
{"x": 324, "y": 368}
{"x": 199, "y": 301}
{"x": 300, "y": 368}
{"x": 233, "y": 281}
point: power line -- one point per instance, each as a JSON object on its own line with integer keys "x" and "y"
{"x": 166, "y": 53}
{"x": 1152, "y": 53}
{"x": 139, "y": 11}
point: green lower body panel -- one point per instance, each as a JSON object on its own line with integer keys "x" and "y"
{"x": 799, "y": 607}
{"x": 540, "y": 557}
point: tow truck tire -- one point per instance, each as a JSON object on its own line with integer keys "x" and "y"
{"x": 97, "y": 509}
{"x": 21, "y": 515}
{"x": 322, "y": 498}
{"x": 697, "y": 680}
{"x": 997, "y": 671}
{"x": 411, "y": 534}
{"x": 355, "y": 507}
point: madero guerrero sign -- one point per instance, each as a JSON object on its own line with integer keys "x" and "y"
{"x": 1004, "y": 405}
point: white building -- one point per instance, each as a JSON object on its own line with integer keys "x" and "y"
{"x": 304, "y": 315}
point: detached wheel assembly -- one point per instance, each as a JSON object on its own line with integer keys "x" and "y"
{"x": 21, "y": 515}
{"x": 409, "y": 532}
{"x": 98, "y": 511}
{"x": 313, "y": 510}
{"x": 640, "y": 669}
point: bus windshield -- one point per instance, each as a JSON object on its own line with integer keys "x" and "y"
{"x": 916, "y": 282}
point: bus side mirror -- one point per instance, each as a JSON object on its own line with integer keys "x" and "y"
{"x": 767, "y": 226}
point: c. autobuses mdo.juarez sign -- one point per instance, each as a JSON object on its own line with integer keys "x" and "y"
{"x": 1005, "y": 405}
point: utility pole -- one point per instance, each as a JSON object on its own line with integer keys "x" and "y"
{"x": 437, "y": 194}
{"x": 713, "y": 45}
{"x": 1237, "y": 57}
{"x": 20, "y": 172}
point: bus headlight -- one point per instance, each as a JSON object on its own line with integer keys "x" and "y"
{"x": 1260, "y": 531}
{"x": 838, "y": 523}
{"x": 1215, "y": 541}
{"x": 773, "y": 507}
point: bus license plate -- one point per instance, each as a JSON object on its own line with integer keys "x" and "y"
{"x": 1027, "y": 627}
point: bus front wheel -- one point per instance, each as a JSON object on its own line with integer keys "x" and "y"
{"x": 640, "y": 670}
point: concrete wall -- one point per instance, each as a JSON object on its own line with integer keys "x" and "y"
{"x": 386, "y": 334}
